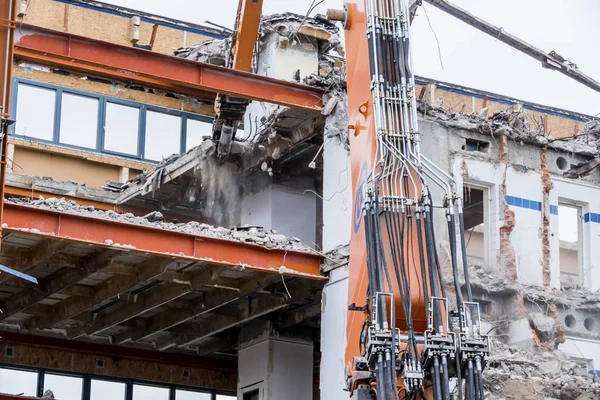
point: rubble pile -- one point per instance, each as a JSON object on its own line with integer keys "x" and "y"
{"x": 513, "y": 123}
{"x": 519, "y": 375}
{"x": 212, "y": 51}
{"x": 255, "y": 235}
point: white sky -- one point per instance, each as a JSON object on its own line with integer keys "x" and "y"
{"x": 470, "y": 58}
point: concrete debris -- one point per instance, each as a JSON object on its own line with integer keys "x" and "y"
{"x": 211, "y": 52}
{"x": 263, "y": 237}
{"x": 519, "y": 375}
{"x": 336, "y": 124}
{"x": 338, "y": 257}
{"x": 513, "y": 124}
{"x": 291, "y": 25}
{"x": 288, "y": 26}
{"x": 154, "y": 216}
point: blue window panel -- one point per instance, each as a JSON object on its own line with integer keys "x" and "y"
{"x": 131, "y": 147}
{"x": 538, "y": 205}
{"x": 595, "y": 217}
{"x": 510, "y": 200}
{"x": 554, "y": 210}
{"x": 586, "y": 218}
{"x": 518, "y": 202}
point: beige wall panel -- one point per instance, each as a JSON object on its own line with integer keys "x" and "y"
{"x": 74, "y": 81}
{"x": 99, "y": 25}
{"x": 193, "y": 39}
{"x": 46, "y": 13}
{"x": 62, "y": 168}
{"x": 561, "y": 127}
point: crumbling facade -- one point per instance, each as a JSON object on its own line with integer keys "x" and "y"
{"x": 249, "y": 277}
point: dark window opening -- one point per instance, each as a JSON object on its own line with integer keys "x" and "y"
{"x": 476, "y": 145}
{"x": 474, "y": 211}
{"x": 253, "y": 395}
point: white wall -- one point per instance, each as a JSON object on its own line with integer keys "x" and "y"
{"x": 588, "y": 196}
{"x": 280, "y": 63}
{"x": 290, "y": 211}
{"x": 526, "y": 237}
{"x": 582, "y": 348}
{"x": 333, "y": 336}
{"x": 282, "y": 369}
{"x": 337, "y": 195}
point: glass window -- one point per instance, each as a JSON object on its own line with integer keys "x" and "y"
{"x": 35, "y": 112}
{"x": 189, "y": 395}
{"x": 103, "y": 390}
{"x": 195, "y": 131}
{"x": 142, "y": 392}
{"x": 226, "y": 397}
{"x": 121, "y": 130}
{"x": 16, "y": 382}
{"x": 64, "y": 387}
{"x": 79, "y": 120}
{"x": 163, "y": 135}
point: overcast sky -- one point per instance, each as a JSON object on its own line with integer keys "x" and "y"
{"x": 469, "y": 57}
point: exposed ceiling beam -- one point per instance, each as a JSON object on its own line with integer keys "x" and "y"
{"x": 60, "y": 280}
{"x": 113, "y": 287}
{"x": 146, "y": 301}
{"x": 169, "y": 319}
{"x": 550, "y": 60}
{"x": 260, "y": 306}
{"x": 297, "y": 317}
{"x": 28, "y": 260}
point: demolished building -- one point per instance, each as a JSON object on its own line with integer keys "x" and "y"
{"x": 159, "y": 268}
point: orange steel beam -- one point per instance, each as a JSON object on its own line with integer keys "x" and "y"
{"x": 8, "y": 14}
{"x": 159, "y": 242}
{"x": 247, "y": 33}
{"x": 98, "y": 58}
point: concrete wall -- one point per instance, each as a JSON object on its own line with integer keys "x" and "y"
{"x": 585, "y": 349}
{"x": 337, "y": 195}
{"x": 287, "y": 209}
{"x": 278, "y": 368}
{"x": 333, "y": 336}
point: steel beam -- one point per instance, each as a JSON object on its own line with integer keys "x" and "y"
{"x": 159, "y": 242}
{"x": 98, "y": 58}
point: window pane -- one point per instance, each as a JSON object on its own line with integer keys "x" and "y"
{"x": 79, "y": 120}
{"x": 189, "y": 395}
{"x": 225, "y": 397}
{"x": 103, "y": 390}
{"x": 18, "y": 382}
{"x": 121, "y": 129}
{"x": 141, "y": 392}
{"x": 195, "y": 131}
{"x": 64, "y": 387}
{"x": 35, "y": 112}
{"x": 163, "y": 135}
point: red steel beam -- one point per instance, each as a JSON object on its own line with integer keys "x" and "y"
{"x": 160, "y": 242}
{"x": 98, "y": 58}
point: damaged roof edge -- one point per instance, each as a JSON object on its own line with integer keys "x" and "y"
{"x": 482, "y": 94}
{"x": 147, "y": 17}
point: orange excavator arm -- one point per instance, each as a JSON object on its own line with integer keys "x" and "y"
{"x": 248, "y": 24}
{"x": 401, "y": 340}
{"x": 230, "y": 110}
